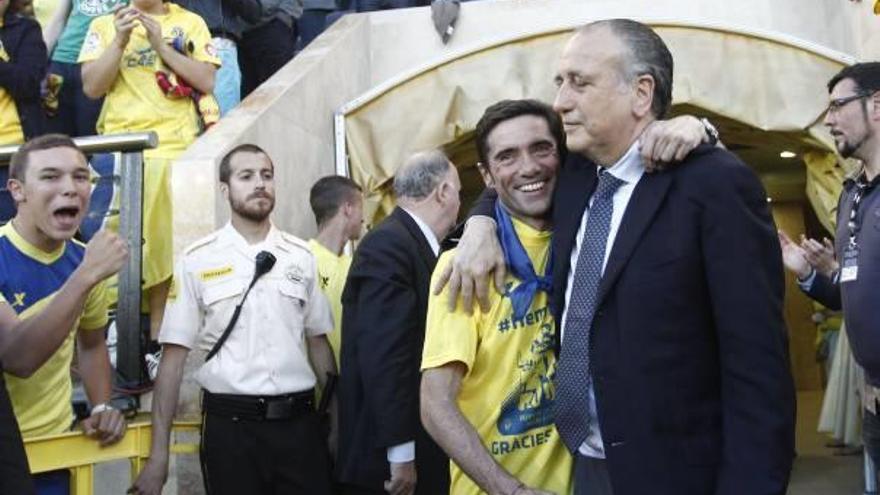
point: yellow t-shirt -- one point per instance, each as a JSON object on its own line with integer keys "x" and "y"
{"x": 507, "y": 393}
{"x": 29, "y": 279}
{"x": 332, "y": 272}
{"x": 135, "y": 103}
{"x": 10, "y": 125}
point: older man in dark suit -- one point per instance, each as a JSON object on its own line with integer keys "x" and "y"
{"x": 673, "y": 375}
{"x": 382, "y": 445}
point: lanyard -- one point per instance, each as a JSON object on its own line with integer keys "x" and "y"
{"x": 863, "y": 187}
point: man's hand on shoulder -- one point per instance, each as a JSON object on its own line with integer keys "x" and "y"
{"x": 477, "y": 258}
{"x": 106, "y": 424}
{"x": 403, "y": 478}
{"x": 667, "y": 141}
{"x": 104, "y": 256}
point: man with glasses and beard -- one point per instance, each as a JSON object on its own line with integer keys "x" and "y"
{"x": 260, "y": 429}
{"x": 853, "y": 117}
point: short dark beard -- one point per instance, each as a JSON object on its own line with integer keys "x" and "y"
{"x": 254, "y": 216}
{"x": 848, "y": 149}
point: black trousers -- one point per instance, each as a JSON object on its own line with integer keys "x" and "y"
{"x": 262, "y": 51}
{"x": 591, "y": 476}
{"x": 265, "y": 457}
{"x": 14, "y": 475}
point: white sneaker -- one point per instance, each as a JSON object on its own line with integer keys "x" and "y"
{"x": 153, "y": 364}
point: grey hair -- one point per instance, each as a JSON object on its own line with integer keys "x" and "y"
{"x": 420, "y": 174}
{"x": 648, "y": 55}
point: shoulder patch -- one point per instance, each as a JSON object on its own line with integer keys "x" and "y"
{"x": 204, "y": 241}
{"x": 295, "y": 241}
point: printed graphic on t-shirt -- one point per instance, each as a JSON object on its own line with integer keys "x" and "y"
{"x": 95, "y": 8}
{"x": 529, "y": 405}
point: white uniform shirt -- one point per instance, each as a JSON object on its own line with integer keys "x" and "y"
{"x": 266, "y": 352}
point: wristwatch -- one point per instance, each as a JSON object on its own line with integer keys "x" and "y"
{"x": 99, "y": 408}
{"x": 711, "y": 131}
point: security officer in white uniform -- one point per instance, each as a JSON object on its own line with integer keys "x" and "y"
{"x": 260, "y": 431}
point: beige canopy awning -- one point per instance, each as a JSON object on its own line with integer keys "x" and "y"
{"x": 769, "y": 84}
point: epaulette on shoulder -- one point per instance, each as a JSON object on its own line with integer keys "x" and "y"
{"x": 295, "y": 241}
{"x": 204, "y": 241}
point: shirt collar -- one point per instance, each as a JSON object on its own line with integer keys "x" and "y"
{"x": 234, "y": 237}
{"x": 629, "y": 168}
{"x": 426, "y": 231}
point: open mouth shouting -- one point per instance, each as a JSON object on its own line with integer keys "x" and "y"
{"x": 66, "y": 217}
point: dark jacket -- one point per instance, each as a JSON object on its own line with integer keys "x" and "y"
{"x": 857, "y": 297}
{"x": 385, "y": 303}
{"x": 689, "y": 349}
{"x": 21, "y": 76}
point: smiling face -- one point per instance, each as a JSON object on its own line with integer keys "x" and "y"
{"x": 53, "y": 196}
{"x": 522, "y": 163}
{"x": 251, "y": 187}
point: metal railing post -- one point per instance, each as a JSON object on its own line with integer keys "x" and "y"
{"x": 128, "y": 308}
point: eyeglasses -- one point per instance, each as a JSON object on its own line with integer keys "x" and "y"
{"x": 836, "y": 104}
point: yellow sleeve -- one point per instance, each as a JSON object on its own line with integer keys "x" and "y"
{"x": 203, "y": 45}
{"x": 97, "y": 39}
{"x": 449, "y": 336}
{"x": 95, "y": 313}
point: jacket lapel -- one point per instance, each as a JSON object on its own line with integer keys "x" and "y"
{"x": 642, "y": 207}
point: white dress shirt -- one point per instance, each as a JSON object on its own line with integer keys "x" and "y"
{"x": 406, "y": 452}
{"x": 266, "y": 352}
{"x": 629, "y": 169}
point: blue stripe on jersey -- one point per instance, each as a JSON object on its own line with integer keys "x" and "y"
{"x": 24, "y": 281}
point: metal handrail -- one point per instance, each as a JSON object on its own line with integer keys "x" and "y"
{"x": 78, "y": 453}
{"x": 131, "y": 142}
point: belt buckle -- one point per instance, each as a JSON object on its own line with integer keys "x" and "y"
{"x": 278, "y": 409}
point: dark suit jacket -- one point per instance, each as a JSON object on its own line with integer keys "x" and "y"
{"x": 385, "y": 303}
{"x": 690, "y": 354}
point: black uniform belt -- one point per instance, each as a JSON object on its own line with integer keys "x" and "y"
{"x": 259, "y": 408}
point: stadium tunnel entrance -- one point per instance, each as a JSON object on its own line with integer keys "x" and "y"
{"x": 758, "y": 89}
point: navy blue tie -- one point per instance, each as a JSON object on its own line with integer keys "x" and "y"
{"x": 573, "y": 372}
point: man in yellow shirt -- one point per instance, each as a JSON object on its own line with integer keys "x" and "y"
{"x": 30, "y": 338}
{"x": 487, "y": 384}
{"x": 338, "y": 205}
{"x": 120, "y": 57}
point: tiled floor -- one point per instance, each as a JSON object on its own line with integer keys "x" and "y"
{"x": 817, "y": 471}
